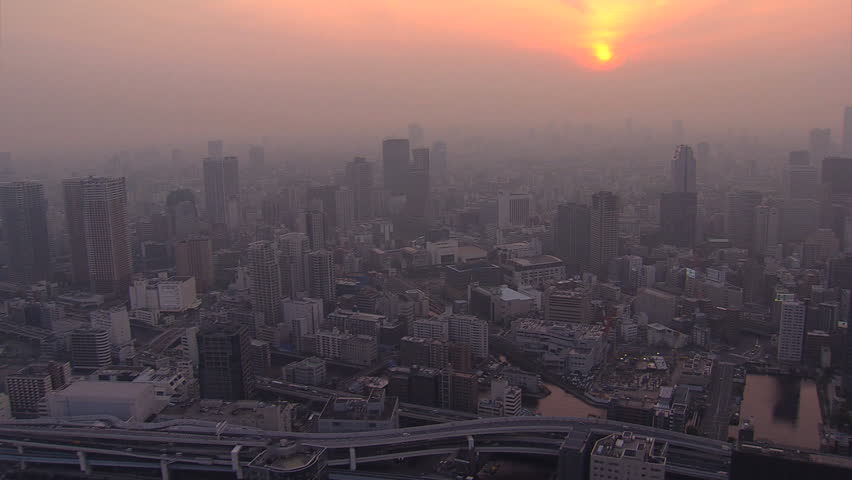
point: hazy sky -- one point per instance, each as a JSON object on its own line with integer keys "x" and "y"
{"x": 91, "y": 73}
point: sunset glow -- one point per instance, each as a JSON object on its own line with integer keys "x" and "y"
{"x": 603, "y": 52}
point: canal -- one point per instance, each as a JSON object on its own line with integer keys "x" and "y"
{"x": 562, "y": 404}
{"x": 785, "y": 410}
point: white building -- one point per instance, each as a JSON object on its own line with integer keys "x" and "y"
{"x": 444, "y": 252}
{"x": 569, "y": 347}
{"x": 513, "y": 209}
{"x": 303, "y": 315}
{"x": 116, "y": 321}
{"x": 625, "y": 456}
{"x": 125, "y": 400}
{"x": 505, "y": 401}
{"x": 472, "y": 331}
{"x": 534, "y": 270}
{"x": 177, "y": 294}
{"x": 791, "y": 332}
{"x": 430, "y": 328}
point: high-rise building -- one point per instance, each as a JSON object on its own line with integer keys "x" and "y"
{"x": 194, "y": 258}
{"x": 799, "y": 157}
{"x": 26, "y": 388}
{"x": 513, "y": 209}
{"x": 438, "y": 163}
{"x": 767, "y": 228}
{"x": 415, "y": 135}
{"x": 215, "y": 148}
{"x": 359, "y": 175}
{"x": 221, "y": 189}
{"x": 225, "y": 363}
{"x": 24, "y": 214}
{"x": 847, "y": 131}
{"x": 257, "y": 157}
{"x": 90, "y": 348}
{"x": 469, "y": 330}
{"x": 265, "y": 280}
{"x": 114, "y": 320}
{"x": 837, "y": 177}
{"x": 801, "y": 181}
{"x": 739, "y": 221}
{"x": 323, "y": 198}
{"x": 315, "y": 228}
{"x": 791, "y": 332}
{"x": 293, "y": 249}
{"x": 96, "y": 211}
{"x": 321, "y": 275}
{"x": 819, "y": 144}
{"x": 678, "y": 218}
{"x": 571, "y": 240}
{"x": 396, "y": 155}
{"x": 344, "y": 199}
{"x": 683, "y": 170}
{"x": 417, "y": 194}
{"x": 604, "y": 232}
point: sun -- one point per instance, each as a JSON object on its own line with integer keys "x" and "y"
{"x": 603, "y": 52}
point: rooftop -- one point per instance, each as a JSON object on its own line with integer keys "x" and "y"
{"x": 628, "y": 445}
{"x": 540, "y": 260}
{"x": 113, "y": 390}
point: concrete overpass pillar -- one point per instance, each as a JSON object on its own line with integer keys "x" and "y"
{"x": 235, "y": 461}
{"x": 84, "y": 462}
{"x": 23, "y": 464}
{"x": 353, "y": 464}
{"x": 164, "y": 469}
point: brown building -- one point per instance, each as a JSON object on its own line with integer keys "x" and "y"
{"x": 194, "y": 258}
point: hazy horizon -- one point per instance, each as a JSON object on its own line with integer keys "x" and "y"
{"x": 95, "y": 74}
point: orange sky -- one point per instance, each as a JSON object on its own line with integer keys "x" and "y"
{"x": 82, "y": 71}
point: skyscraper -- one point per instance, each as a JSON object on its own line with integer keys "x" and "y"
{"x": 438, "y": 163}
{"x": 96, "y": 211}
{"x": 683, "y": 170}
{"x": 24, "y": 214}
{"x": 265, "y": 280}
{"x": 194, "y": 258}
{"x": 571, "y": 236}
{"x": 292, "y": 257}
{"x": 417, "y": 203}
{"x": 678, "y": 216}
{"x": 90, "y": 348}
{"x": 315, "y": 228}
{"x": 604, "y": 231}
{"x": 395, "y": 161}
{"x": 847, "y": 131}
{"x": 221, "y": 188}
{"x": 224, "y": 362}
{"x": 791, "y": 333}
{"x": 513, "y": 209}
{"x": 837, "y": 176}
{"x": 359, "y": 174}
{"x": 819, "y": 145}
{"x": 767, "y": 225}
{"x": 415, "y": 135}
{"x": 739, "y": 221}
{"x": 321, "y": 275}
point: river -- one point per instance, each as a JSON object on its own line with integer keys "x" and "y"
{"x": 785, "y": 410}
{"x": 562, "y": 404}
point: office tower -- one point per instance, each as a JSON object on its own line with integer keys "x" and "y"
{"x": 678, "y": 218}
{"x": 571, "y": 232}
{"x": 801, "y": 181}
{"x": 791, "y": 332}
{"x": 799, "y": 157}
{"x": 458, "y": 391}
{"x": 257, "y": 157}
{"x": 513, "y": 209}
{"x": 678, "y": 133}
{"x": 344, "y": 199}
{"x": 194, "y": 258}
{"x": 739, "y": 221}
{"x": 847, "y": 131}
{"x": 26, "y": 388}
{"x": 96, "y": 211}
{"x": 321, "y": 275}
{"x": 469, "y": 330}
{"x": 225, "y": 363}
{"x": 819, "y": 145}
{"x": 415, "y": 135}
{"x": 265, "y": 280}
{"x": 292, "y": 257}
{"x": 315, "y": 228}
{"x": 628, "y": 456}
{"x": 566, "y": 305}
{"x": 359, "y": 175}
{"x": 417, "y": 195}
{"x": 114, "y": 320}
{"x": 395, "y": 161}
{"x": 221, "y": 189}
{"x": 90, "y": 348}
{"x": 683, "y": 170}
{"x": 323, "y": 198}
{"x": 837, "y": 177}
{"x": 604, "y": 232}
{"x": 215, "y": 148}
{"x": 767, "y": 229}
{"x": 303, "y": 316}
{"x": 24, "y": 214}
{"x": 800, "y": 217}
{"x": 438, "y": 163}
